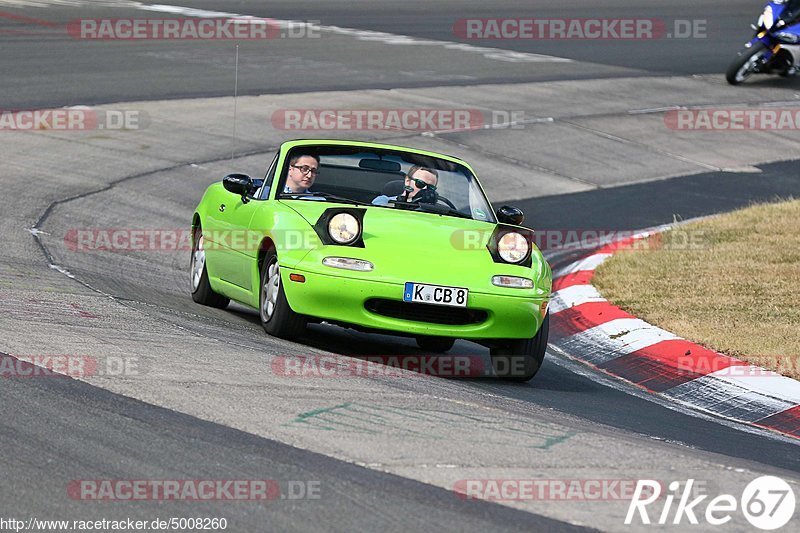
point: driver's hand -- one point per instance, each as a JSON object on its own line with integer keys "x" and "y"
{"x": 425, "y": 196}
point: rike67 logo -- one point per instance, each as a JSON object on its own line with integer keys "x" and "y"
{"x": 767, "y": 503}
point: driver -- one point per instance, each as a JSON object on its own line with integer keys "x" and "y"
{"x": 418, "y": 179}
{"x": 303, "y": 170}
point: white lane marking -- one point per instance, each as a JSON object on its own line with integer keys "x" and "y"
{"x": 63, "y": 270}
{"x": 571, "y": 296}
{"x": 588, "y": 263}
{"x": 615, "y": 338}
{"x": 728, "y": 398}
{"x": 764, "y": 381}
{"x": 36, "y": 232}
{"x": 69, "y": 3}
{"x": 654, "y": 110}
{"x": 367, "y": 35}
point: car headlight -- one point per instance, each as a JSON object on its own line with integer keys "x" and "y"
{"x": 343, "y": 228}
{"x": 513, "y": 247}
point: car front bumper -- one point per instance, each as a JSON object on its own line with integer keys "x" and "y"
{"x": 342, "y": 299}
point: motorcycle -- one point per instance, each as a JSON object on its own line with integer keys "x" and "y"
{"x": 775, "y": 47}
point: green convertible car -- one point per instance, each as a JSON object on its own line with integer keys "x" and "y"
{"x": 378, "y": 238}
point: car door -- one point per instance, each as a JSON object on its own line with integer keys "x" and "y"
{"x": 227, "y": 233}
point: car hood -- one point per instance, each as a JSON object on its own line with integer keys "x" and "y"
{"x": 417, "y": 246}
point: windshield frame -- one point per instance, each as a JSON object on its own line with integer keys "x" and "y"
{"x": 409, "y": 156}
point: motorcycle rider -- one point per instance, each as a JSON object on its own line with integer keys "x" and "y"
{"x": 791, "y": 13}
{"x": 792, "y": 10}
{"x": 790, "y": 16}
{"x": 764, "y": 53}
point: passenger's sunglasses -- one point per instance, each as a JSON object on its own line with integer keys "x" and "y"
{"x": 305, "y": 169}
{"x": 421, "y": 184}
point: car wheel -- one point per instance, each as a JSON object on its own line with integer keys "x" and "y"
{"x": 201, "y": 288}
{"x": 520, "y": 359}
{"x": 277, "y": 317}
{"x": 435, "y": 344}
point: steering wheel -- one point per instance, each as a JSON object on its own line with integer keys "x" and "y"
{"x": 427, "y": 196}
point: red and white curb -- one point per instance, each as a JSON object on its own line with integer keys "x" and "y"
{"x": 587, "y": 327}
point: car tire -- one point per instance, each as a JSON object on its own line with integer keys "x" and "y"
{"x": 277, "y": 318}
{"x": 435, "y": 344}
{"x": 521, "y": 359}
{"x": 202, "y": 292}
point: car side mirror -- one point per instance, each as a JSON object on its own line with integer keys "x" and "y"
{"x": 510, "y": 215}
{"x": 239, "y": 184}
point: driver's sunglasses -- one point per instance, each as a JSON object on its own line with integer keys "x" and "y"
{"x": 305, "y": 169}
{"x": 422, "y": 184}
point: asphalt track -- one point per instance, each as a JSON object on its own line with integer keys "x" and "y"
{"x": 629, "y": 208}
{"x": 42, "y": 66}
{"x": 56, "y": 430}
{"x": 643, "y": 205}
{"x": 114, "y": 437}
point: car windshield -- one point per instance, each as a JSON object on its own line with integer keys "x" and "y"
{"x": 380, "y": 178}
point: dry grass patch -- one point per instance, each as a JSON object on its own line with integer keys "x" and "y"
{"x": 731, "y": 283}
